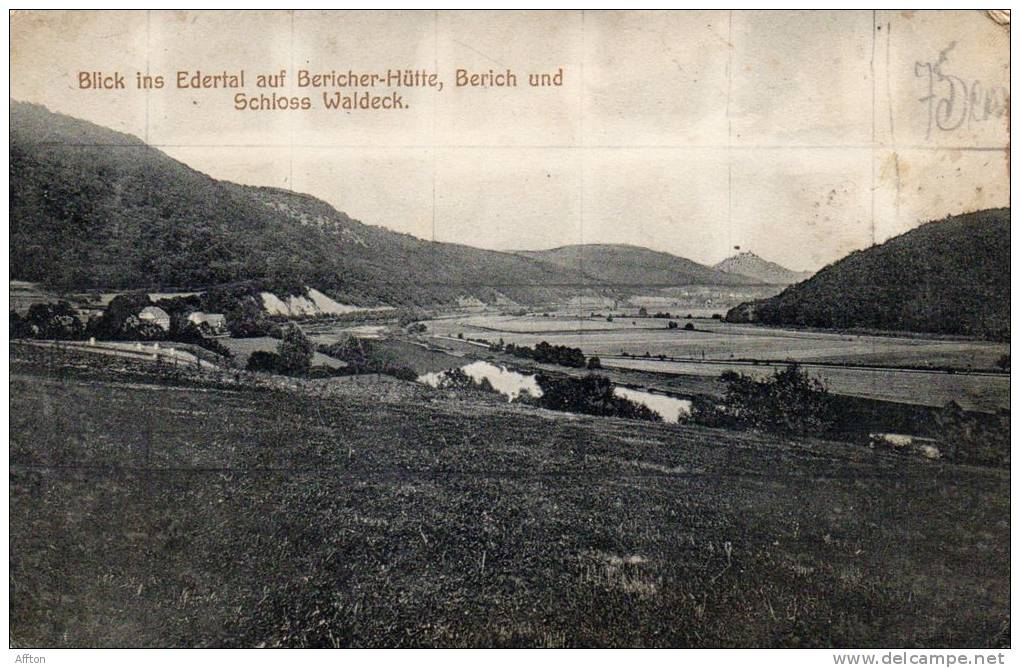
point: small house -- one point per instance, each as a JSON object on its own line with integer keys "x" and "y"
{"x": 215, "y": 323}
{"x": 156, "y": 316}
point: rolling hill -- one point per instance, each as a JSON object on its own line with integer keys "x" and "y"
{"x": 949, "y": 277}
{"x": 759, "y": 269}
{"x": 633, "y": 266}
{"x": 94, "y": 208}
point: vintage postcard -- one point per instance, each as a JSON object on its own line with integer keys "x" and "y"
{"x": 499, "y": 329}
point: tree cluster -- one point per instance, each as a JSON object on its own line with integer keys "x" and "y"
{"x": 293, "y": 356}
{"x": 592, "y": 394}
{"x": 364, "y": 356}
{"x": 118, "y": 322}
{"x": 788, "y": 402}
{"x": 544, "y": 352}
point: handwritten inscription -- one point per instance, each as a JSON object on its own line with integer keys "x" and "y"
{"x": 954, "y": 102}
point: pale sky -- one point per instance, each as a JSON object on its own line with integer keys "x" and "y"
{"x": 798, "y": 135}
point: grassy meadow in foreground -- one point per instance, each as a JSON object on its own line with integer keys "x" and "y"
{"x": 155, "y": 512}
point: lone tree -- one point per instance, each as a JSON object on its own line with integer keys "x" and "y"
{"x": 295, "y": 351}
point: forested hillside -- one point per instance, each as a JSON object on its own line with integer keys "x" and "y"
{"x": 633, "y": 266}
{"x": 947, "y": 277}
{"x": 91, "y": 207}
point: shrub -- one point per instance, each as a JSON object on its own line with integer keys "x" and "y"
{"x": 592, "y": 395}
{"x": 689, "y": 327}
{"x": 594, "y": 362}
{"x": 456, "y": 379}
{"x": 135, "y": 329}
{"x": 1003, "y": 362}
{"x": 972, "y": 438}
{"x": 352, "y": 349}
{"x": 789, "y": 402}
{"x": 295, "y": 351}
{"x": 264, "y": 360}
{"x": 400, "y": 371}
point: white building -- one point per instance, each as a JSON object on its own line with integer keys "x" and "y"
{"x": 216, "y": 322}
{"x": 156, "y": 316}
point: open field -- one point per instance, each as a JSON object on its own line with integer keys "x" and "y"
{"x": 873, "y": 407}
{"x": 148, "y": 514}
{"x": 839, "y": 359}
{"x": 417, "y": 356}
{"x": 717, "y": 340}
{"x": 981, "y": 392}
{"x": 699, "y": 300}
{"x": 331, "y": 332}
{"x": 23, "y": 294}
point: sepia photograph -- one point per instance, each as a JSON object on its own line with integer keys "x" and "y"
{"x": 510, "y": 329}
